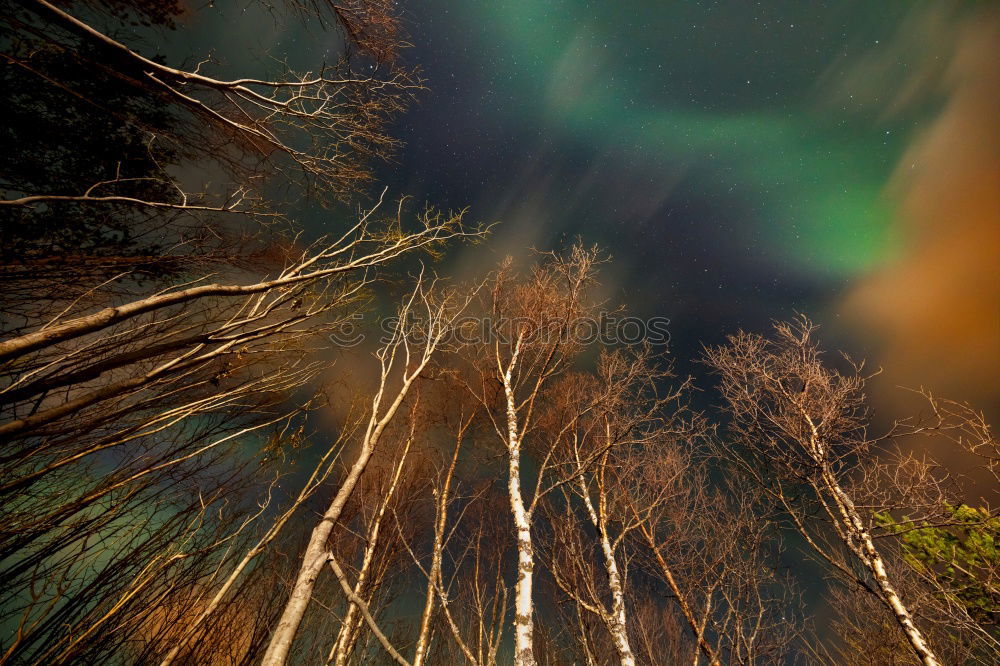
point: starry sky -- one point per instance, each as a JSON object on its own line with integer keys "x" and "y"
{"x": 654, "y": 122}
{"x": 740, "y": 161}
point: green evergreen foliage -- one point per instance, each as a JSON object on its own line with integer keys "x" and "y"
{"x": 963, "y": 557}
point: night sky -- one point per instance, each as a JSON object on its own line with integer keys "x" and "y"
{"x": 693, "y": 141}
{"x": 741, "y": 162}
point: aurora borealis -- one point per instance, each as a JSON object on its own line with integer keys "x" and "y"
{"x": 741, "y": 162}
{"x": 725, "y": 104}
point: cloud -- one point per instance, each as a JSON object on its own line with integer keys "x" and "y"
{"x": 937, "y": 305}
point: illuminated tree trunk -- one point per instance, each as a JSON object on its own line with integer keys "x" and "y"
{"x": 434, "y": 575}
{"x": 348, "y": 634}
{"x": 870, "y": 556}
{"x": 615, "y": 620}
{"x": 523, "y": 605}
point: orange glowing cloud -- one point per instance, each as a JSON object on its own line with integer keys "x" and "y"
{"x": 937, "y": 305}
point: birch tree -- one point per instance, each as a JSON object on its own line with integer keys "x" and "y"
{"x": 528, "y": 341}
{"x": 802, "y": 428}
{"x": 402, "y": 361}
{"x": 605, "y": 425}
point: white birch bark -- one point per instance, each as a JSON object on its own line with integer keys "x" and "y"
{"x": 313, "y": 561}
{"x": 615, "y": 620}
{"x": 348, "y": 633}
{"x": 870, "y": 556}
{"x": 523, "y": 603}
{"x": 867, "y": 553}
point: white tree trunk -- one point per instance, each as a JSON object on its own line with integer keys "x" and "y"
{"x": 615, "y": 621}
{"x": 434, "y": 575}
{"x": 524, "y": 653}
{"x": 616, "y": 625}
{"x": 349, "y": 627}
{"x": 423, "y": 638}
{"x": 523, "y": 605}
{"x": 873, "y": 560}
{"x": 313, "y": 561}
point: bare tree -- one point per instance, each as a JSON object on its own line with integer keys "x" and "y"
{"x": 167, "y": 317}
{"x": 800, "y": 429}
{"x": 605, "y": 429}
{"x": 127, "y": 175}
{"x": 324, "y": 124}
{"x": 402, "y": 361}
{"x": 113, "y": 407}
{"x": 528, "y": 342}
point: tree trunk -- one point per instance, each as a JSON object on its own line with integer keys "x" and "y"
{"x": 873, "y": 560}
{"x": 523, "y": 607}
{"x": 349, "y": 628}
{"x": 616, "y": 622}
{"x": 524, "y": 654}
{"x": 313, "y": 561}
{"x": 434, "y": 575}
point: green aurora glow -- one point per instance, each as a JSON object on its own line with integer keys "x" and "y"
{"x": 681, "y": 84}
